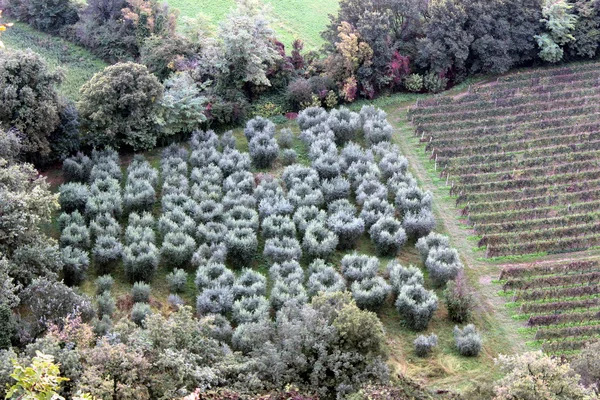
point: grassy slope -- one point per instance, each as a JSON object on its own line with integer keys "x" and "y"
{"x": 79, "y": 65}
{"x": 292, "y": 19}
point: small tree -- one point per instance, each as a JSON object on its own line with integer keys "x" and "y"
{"x": 534, "y": 375}
{"x": 416, "y": 306}
{"x": 118, "y": 107}
{"x": 388, "y": 236}
{"x": 37, "y": 114}
{"x": 425, "y": 344}
{"x": 468, "y": 341}
{"x": 587, "y": 364}
{"x": 41, "y": 380}
{"x": 458, "y": 299}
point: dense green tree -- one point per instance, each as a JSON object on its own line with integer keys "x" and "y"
{"x": 559, "y": 22}
{"x": 247, "y": 48}
{"x": 118, "y": 107}
{"x": 587, "y": 29}
{"x": 29, "y": 101}
{"x": 46, "y": 15}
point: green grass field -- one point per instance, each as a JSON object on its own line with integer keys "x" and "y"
{"x": 78, "y": 64}
{"x": 291, "y": 19}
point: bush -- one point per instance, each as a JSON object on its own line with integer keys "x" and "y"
{"x": 143, "y": 220}
{"x": 354, "y": 153}
{"x": 429, "y": 242}
{"x": 377, "y": 131}
{"x": 418, "y": 224}
{"x": 458, "y": 299}
{"x": 73, "y": 196}
{"x": 176, "y": 220}
{"x": 289, "y": 157}
{"x": 251, "y": 336}
{"x": 217, "y": 326}
{"x": 284, "y": 293}
{"x": 257, "y": 126}
{"x": 370, "y": 113}
{"x": 233, "y": 161}
{"x": 393, "y": 163}
{"x": 66, "y": 219}
{"x": 296, "y": 174}
{"x": 106, "y": 304}
{"x": 299, "y": 92}
{"x": 388, "y": 236}
{"x": 278, "y": 226}
{"x": 204, "y": 157}
{"x": 414, "y": 83}
{"x": 77, "y": 168}
{"x": 250, "y": 309}
{"x": 212, "y": 275}
{"x": 140, "y": 292}
{"x": 370, "y": 293}
{"x": 347, "y": 227}
{"x": 228, "y": 140}
{"x": 282, "y": 249}
{"x": 317, "y": 132}
{"x": 325, "y": 279}
{"x": 209, "y": 211}
{"x": 401, "y": 276}
{"x": 286, "y": 138}
{"x": 104, "y": 203}
{"x": 210, "y": 173}
{"x": 75, "y": 265}
{"x": 139, "y": 196}
{"x": 267, "y": 187}
{"x": 204, "y": 139}
{"x": 105, "y": 225}
{"x": 311, "y": 116}
{"x": 107, "y": 251}
{"x": 242, "y": 245}
{"x": 443, "y": 265}
{"x": 302, "y": 195}
{"x": 344, "y": 124}
{"x": 241, "y": 217}
{"x": 75, "y": 235}
{"x": 175, "y": 184}
{"x": 213, "y": 253}
{"x": 467, "y": 340}
{"x": 211, "y": 232}
{"x": 416, "y": 306}
{"x": 217, "y": 300}
{"x": 363, "y": 171}
{"x": 306, "y": 215}
{"x": 140, "y": 169}
{"x": 434, "y": 83}
{"x": 321, "y": 147}
{"x": 118, "y": 107}
{"x": 263, "y": 150}
{"x": 335, "y": 189}
{"x": 375, "y": 209}
{"x": 328, "y": 166}
{"x": 356, "y": 267}
{"x": 140, "y": 260}
{"x": 102, "y": 326}
{"x": 287, "y": 271}
{"x": 249, "y": 283}
{"x": 177, "y": 249}
{"x": 370, "y": 190}
{"x": 241, "y": 180}
{"x": 412, "y": 199}
{"x": 319, "y": 242}
{"x": 104, "y": 283}
{"x": 177, "y": 280}
{"x": 425, "y": 344}
{"x": 139, "y": 313}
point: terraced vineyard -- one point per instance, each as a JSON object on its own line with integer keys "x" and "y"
{"x": 522, "y": 155}
{"x": 559, "y": 300}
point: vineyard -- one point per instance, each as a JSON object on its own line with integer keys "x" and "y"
{"x": 522, "y": 157}
{"x": 560, "y": 302}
